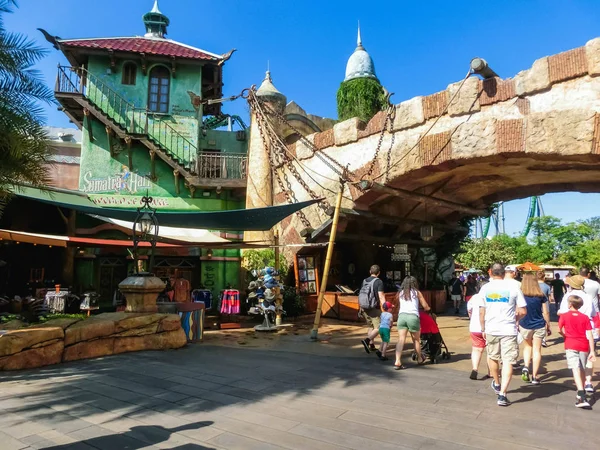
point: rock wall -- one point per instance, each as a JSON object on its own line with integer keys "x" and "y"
{"x": 64, "y": 340}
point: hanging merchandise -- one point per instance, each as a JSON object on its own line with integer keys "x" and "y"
{"x": 181, "y": 288}
{"x": 202, "y": 296}
{"x": 230, "y": 301}
{"x": 265, "y": 293}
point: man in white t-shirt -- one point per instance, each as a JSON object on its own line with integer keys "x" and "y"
{"x": 503, "y": 305}
{"x": 591, "y": 287}
{"x": 576, "y": 285}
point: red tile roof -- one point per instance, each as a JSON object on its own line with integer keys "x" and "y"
{"x": 149, "y": 46}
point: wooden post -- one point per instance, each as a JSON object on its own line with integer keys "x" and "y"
{"x": 336, "y": 215}
{"x": 128, "y": 141}
{"x": 152, "y": 165}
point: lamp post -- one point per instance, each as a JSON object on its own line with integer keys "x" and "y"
{"x": 145, "y": 228}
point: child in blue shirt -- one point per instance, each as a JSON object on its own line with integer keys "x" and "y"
{"x": 384, "y": 330}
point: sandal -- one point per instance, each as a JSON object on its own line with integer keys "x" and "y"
{"x": 422, "y": 362}
{"x": 400, "y": 367}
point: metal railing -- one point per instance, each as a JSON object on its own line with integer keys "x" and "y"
{"x": 214, "y": 165}
{"x": 134, "y": 120}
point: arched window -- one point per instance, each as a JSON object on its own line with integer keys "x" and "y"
{"x": 129, "y": 73}
{"x": 158, "y": 90}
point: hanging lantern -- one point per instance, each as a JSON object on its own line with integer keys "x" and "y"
{"x": 145, "y": 228}
{"x": 427, "y": 232}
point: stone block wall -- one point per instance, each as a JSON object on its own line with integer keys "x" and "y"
{"x": 65, "y": 340}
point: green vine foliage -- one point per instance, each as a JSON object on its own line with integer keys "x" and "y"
{"x": 360, "y": 97}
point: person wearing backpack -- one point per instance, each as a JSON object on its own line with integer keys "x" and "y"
{"x": 456, "y": 292}
{"x": 370, "y": 299}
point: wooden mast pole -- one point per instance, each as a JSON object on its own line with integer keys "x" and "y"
{"x": 336, "y": 216}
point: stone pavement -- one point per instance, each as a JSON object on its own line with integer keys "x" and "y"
{"x": 295, "y": 395}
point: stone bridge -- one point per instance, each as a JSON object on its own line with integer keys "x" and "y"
{"x": 454, "y": 153}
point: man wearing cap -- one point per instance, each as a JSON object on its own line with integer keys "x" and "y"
{"x": 511, "y": 274}
{"x": 576, "y": 286}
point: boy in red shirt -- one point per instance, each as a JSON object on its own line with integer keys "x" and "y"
{"x": 576, "y": 328}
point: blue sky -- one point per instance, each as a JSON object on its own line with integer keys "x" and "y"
{"x": 418, "y": 47}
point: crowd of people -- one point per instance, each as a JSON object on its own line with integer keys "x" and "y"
{"x": 509, "y": 311}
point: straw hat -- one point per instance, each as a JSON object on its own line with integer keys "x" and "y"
{"x": 576, "y": 281}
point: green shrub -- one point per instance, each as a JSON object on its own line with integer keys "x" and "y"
{"x": 293, "y": 303}
{"x": 360, "y": 97}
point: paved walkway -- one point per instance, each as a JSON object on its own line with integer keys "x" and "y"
{"x": 297, "y": 395}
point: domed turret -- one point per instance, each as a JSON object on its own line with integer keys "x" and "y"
{"x": 156, "y": 22}
{"x": 360, "y": 64}
{"x": 268, "y": 92}
{"x": 360, "y": 94}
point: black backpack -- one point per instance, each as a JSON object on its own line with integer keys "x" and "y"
{"x": 367, "y": 298}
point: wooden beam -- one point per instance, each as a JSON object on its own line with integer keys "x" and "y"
{"x": 395, "y": 220}
{"x": 401, "y": 193}
{"x": 383, "y": 240}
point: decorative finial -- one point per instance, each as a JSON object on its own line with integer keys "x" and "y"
{"x": 268, "y": 76}
{"x": 155, "y": 8}
{"x": 358, "y": 39}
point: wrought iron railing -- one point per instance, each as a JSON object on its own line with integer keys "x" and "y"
{"x": 134, "y": 120}
{"x": 214, "y": 165}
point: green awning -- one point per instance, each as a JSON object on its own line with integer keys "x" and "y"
{"x": 256, "y": 219}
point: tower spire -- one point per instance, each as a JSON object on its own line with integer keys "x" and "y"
{"x": 156, "y": 22}
{"x": 358, "y": 38}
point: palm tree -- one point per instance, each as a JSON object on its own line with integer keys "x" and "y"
{"x": 24, "y": 147}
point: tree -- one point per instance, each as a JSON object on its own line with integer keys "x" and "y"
{"x": 24, "y": 148}
{"x": 482, "y": 253}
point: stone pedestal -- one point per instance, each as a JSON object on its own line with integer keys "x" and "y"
{"x": 141, "y": 292}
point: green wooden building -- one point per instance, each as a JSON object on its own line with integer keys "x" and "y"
{"x": 143, "y": 105}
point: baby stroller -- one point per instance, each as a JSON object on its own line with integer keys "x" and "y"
{"x": 433, "y": 346}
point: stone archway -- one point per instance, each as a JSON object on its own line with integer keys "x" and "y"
{"x": 460, "y": 150}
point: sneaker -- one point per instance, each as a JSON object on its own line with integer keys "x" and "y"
{"x": 534, "y": 380}
{"x": 581, "y": 402}
{"x": 378, "y": 353}
{"x": 502, "y": 400}
{"x": 525, "y": 375}
{"x": 473, "y": 375}
{"x": 589, "y": 388}
{"x": 365, "y": 344}
{"x": 372, "y": 347}
{"x": 544, "y": 343}
{"x": 496, "y": 387}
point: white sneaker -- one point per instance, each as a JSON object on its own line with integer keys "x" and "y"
{"x": 582, "y": 403}
{"x": 589, "y": 388}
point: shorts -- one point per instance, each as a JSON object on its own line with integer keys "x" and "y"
{"x": 577, "y": 359}
{"x": 385, "y": 334}
{"x": 372, "y": 316}
{"x": 408, "y": 322}
{"x": 477, "y": 340}
{"x": 456, "y": 297}
{"x": 527, "y": 334}
{"x": 503, "y": 348}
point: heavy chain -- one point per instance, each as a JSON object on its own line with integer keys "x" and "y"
{"x": 288, "y": 192}
{"x": 337, "y": 167}
{"x": 389, "y": 120}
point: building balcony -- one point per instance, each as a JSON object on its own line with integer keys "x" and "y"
{"x": 225, "y": 170}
